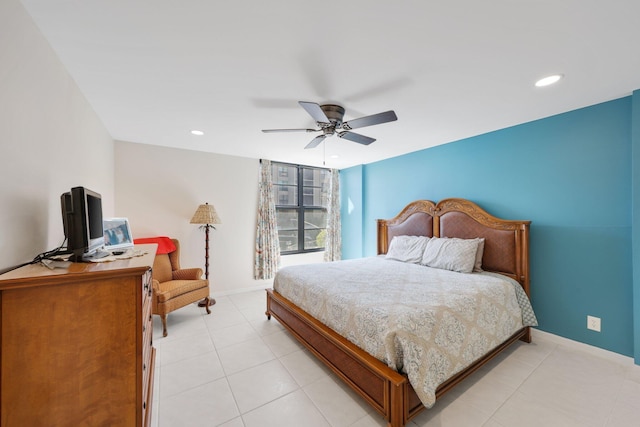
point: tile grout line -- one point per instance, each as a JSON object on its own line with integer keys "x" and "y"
{"x": 535, "y": 368}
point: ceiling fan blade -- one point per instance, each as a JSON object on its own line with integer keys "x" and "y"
{"x": 356, "y": 137}
{"x": 374, "y": 119}
{"x": 289, "y": 130}
{"x": 314, "y": 111}
{"x": 316, "y": 141}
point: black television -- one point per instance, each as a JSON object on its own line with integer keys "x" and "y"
{"x": 82, "y": 223}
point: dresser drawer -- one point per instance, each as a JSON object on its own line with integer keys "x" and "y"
{"x": 147, "y": 287}
{"x": 147, "y": 390}
{"x": 147, "y": 333}
{"x": 146, "y": 379}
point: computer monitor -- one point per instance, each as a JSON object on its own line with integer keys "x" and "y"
{"x": 82, "y": 222}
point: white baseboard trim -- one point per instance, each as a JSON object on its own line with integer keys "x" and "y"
{"x": 262, "y": 286}
{"x": 595, "y": 351}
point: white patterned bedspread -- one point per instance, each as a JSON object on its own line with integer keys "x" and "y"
{"x": 425, "y": 322}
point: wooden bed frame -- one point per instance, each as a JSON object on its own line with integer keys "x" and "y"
{"x": 389, "y": 392}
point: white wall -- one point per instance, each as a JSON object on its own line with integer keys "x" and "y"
{"x": 50, "y": 140}
{"x": 160, "y": 188}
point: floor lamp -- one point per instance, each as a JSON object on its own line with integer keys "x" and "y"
{"x": 206, "y": 215}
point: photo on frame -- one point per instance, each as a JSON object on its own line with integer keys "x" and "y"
{"x": 117, "y": 233}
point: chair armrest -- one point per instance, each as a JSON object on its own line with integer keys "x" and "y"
{"x": 187, "y": 274}
{"x": 156, "y": 285}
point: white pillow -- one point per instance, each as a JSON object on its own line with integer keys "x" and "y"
{"x": 479, "y": 253}
{"x": 451, "y": 254}
{"x": 407, "y": 248}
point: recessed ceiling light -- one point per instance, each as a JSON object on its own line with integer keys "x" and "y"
{"x": 549, "y": 80}
{"x": 334, "y": 156}
{"x": 197, "y": 132}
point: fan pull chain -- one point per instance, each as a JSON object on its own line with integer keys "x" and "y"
{"x": 324, "y": 152}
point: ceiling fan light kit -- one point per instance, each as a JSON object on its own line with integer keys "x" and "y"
{"x": 329, "y": 118}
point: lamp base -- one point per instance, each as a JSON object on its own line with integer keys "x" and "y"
{"x": 203, "y": 303}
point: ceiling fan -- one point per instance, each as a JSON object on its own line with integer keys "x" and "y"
{"x": 328, "y": 117}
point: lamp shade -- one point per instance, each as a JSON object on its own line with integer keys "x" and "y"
{"x": 206, "y": 214}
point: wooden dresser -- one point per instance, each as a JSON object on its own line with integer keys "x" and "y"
{"x": 76, "y": 344}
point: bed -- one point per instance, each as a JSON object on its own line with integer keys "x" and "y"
{"x": 388, "y": 389}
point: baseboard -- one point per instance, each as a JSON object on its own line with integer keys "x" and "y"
{"x": 595, "y": 351}
{"x": 260, "y": 287}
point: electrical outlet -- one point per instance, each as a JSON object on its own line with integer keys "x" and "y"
{"x": 593, "y": 323}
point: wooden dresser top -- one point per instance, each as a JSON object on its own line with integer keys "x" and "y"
{"x": 32, "y": 275}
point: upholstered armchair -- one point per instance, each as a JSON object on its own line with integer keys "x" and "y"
{"x": 175, "y": 287}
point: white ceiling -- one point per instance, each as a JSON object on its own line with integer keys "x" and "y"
{"x": 155, "y": 69}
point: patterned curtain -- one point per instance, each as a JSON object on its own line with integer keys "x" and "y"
{"x": 267, "y": 244}
{"x": 333, "y": 244}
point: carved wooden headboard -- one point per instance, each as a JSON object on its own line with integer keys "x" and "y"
{"x": 506, "y": 248}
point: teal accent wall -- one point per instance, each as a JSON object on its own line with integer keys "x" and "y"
{"x": 571, "y": 175}
{"x": 635, "y": 142}
{"x": 351, "y": 211}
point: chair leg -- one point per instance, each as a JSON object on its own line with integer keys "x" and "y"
{"x": 207, "y": 305}
{"x": 164, "y": 325}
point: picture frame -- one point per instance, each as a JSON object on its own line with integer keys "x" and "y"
{"x": 117, "y": 234}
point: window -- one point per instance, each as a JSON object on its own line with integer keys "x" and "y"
{"x": 301, "y": 194}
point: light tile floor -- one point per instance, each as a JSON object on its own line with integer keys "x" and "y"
{"x": 235, "y": 368}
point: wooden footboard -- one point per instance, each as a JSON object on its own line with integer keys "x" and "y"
{"x": 386, "y": 390}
